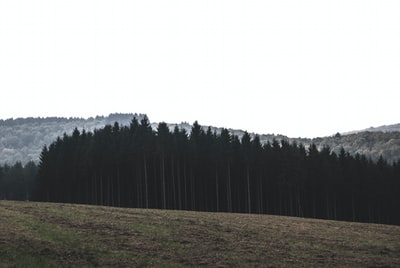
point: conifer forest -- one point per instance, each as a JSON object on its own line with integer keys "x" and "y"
{"x": 136, "y": 166}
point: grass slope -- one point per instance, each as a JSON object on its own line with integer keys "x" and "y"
{"x": 65, "y": 235}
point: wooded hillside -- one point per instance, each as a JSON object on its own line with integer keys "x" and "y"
{"x": 22, "y": 139}
{"x": 136, "y": 166}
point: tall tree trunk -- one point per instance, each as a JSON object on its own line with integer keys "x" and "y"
{"x": 217, "y": 187}
{"x": 164, "y": 201}
{"x": 334, "y": 208}
{"x": 291, "y": 210}
{"x": 299, "y": 209}
{"x": 229, "y": 190}
{"x": 108, "y": 191}
{"x": 261, "y": 202}
{"x": 174, "y": 206}
{"x": 314, "y": 206}
{"x": 101, "y": 191}
{"x": 185, "y": 184}
{"x": 248, "y": 189}
{"x": 327, "y": 207}
{"x": 119, "y": 187}
{"x": 95, "y": 190}
{"x": 87, "y": 192}
{"x": 112, "y": 190}
{"x": 192, "y": 192}
{"x": 179, "y": 185}
{"x": 156, "y": 186}
{"x": 139, "y": 191}
{"x": 353, "y": 207}
{"x": 146, "y": 190}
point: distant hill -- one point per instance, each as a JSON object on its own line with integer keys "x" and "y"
{"x": 385, "y": 128}
{"x": 368, "y": 143}
{"x": 22, "y": 139}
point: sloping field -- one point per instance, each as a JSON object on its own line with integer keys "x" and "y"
{"x": 65, "y": 235}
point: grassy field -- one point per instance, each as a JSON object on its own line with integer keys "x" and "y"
{"x": 65, "y": 235}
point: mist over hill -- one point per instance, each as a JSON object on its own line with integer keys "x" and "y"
{"x": 384, "y": 128}
{"x": 22, "y": 139}
{"x": 368, "y": 143}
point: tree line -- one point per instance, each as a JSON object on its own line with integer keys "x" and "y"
{"x": 136, "y": 166}
{"x": 17, "y": 181}
{"x": 22, "y": 139}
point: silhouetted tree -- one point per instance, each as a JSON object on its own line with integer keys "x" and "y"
{"x": 136, "y": 166}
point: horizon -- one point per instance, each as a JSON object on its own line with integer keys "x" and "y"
{"x": 190, "y": 123}
{"x": 303, "y": 69}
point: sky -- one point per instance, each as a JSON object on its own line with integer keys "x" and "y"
{"x": 300, "y": 68}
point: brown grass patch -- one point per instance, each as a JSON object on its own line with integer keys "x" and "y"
{"x": 54, "y": 235}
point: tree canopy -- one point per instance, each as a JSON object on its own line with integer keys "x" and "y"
{"x": 136, "y": 166}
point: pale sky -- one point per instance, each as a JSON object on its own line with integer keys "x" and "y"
{"x": 300, "y": 68}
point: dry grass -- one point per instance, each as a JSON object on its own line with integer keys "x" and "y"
{"x": 65, "y": 235}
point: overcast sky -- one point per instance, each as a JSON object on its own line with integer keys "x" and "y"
{"x": 299, "y": 68}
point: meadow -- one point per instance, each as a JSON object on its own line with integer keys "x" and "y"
{"x": 70, "y": 235}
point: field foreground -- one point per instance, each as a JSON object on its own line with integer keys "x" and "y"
{"x": 65, "y": 235}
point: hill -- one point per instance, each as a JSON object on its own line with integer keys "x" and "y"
{"x": 65, "y": 235}
{"x": 384, "y": 128}
{"x": 372, "y": 144}
{"x": 22, "y": 139}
